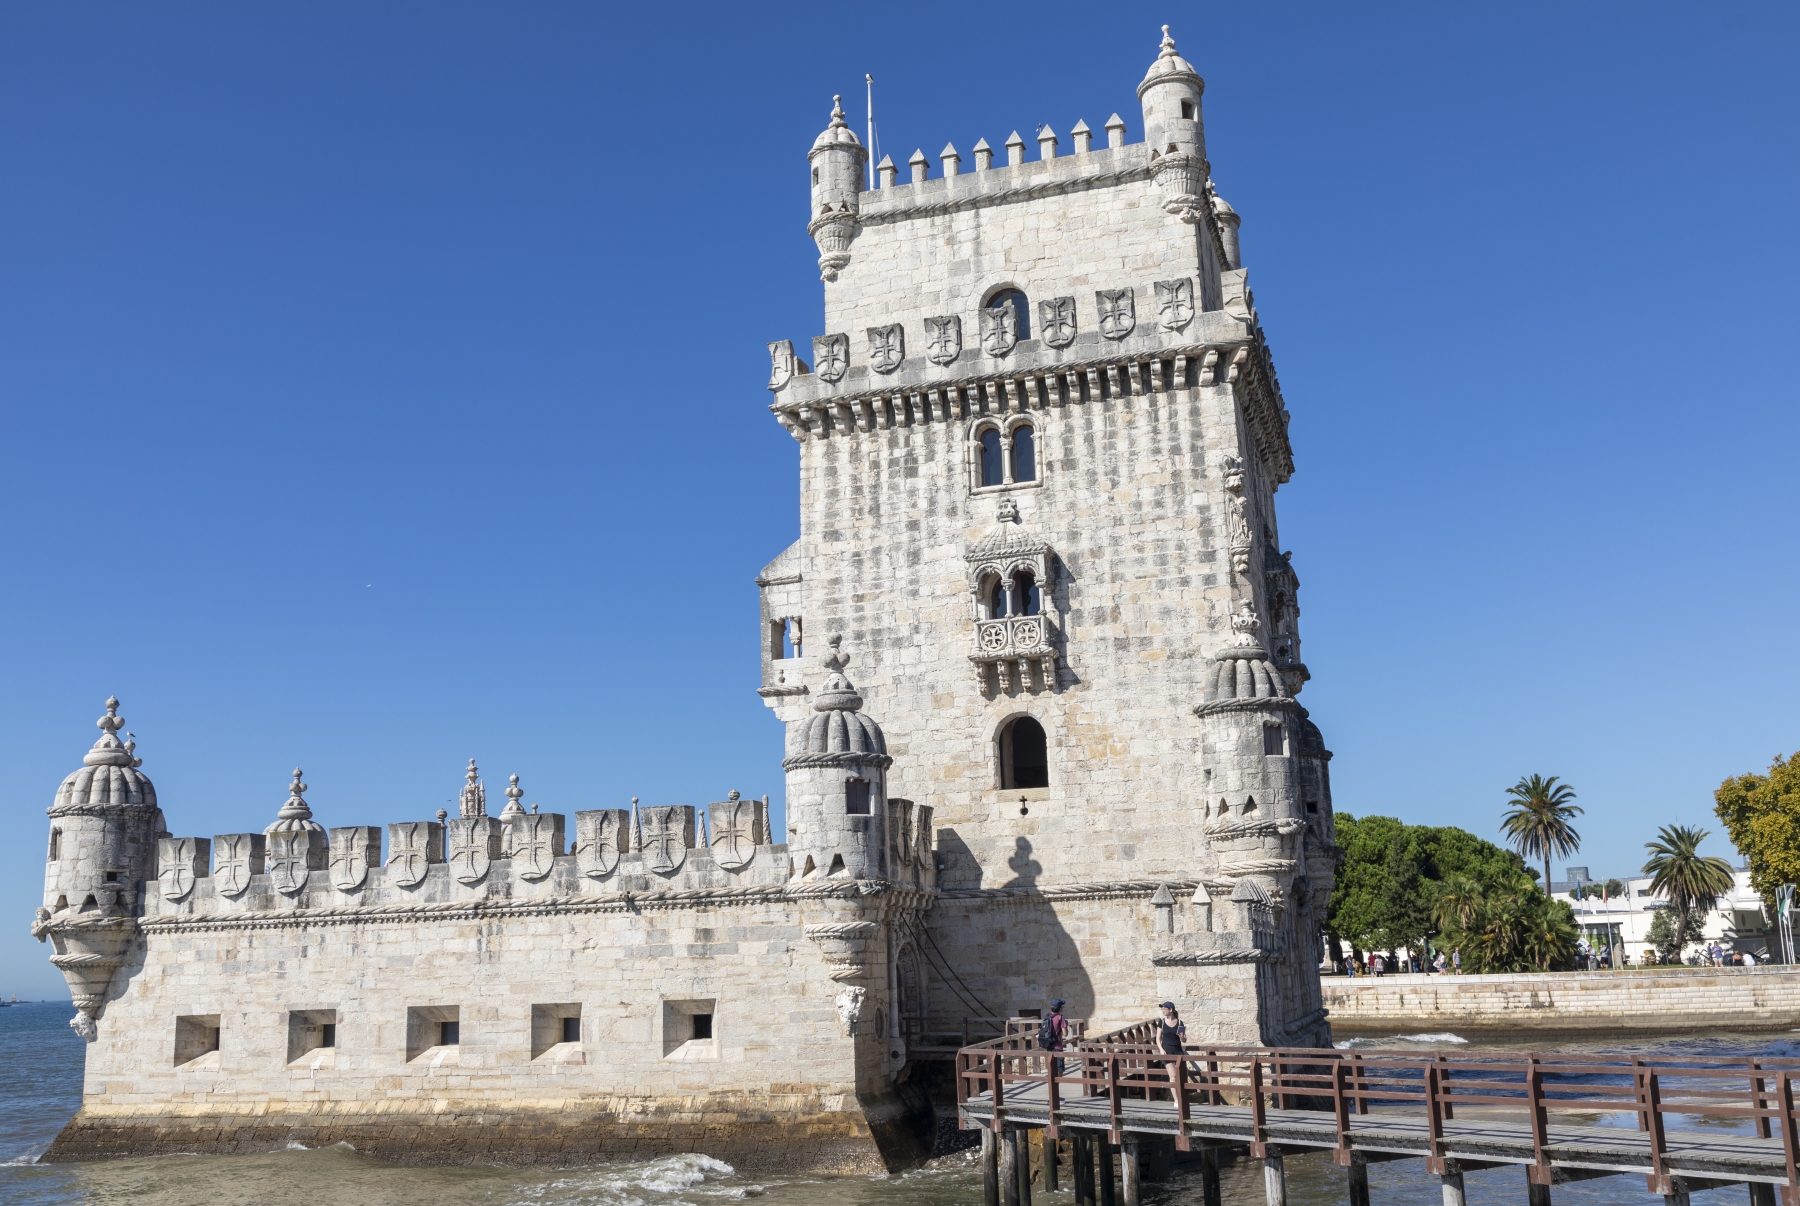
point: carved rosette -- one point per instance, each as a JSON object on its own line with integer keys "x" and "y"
{"x": 1181, "y": 179}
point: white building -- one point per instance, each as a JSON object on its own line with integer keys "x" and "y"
{"x": 1738, "y": 923}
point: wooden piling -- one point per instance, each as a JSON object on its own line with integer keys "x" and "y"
{"x": 990, "y": 1168}
{"x": 1537, "y": 1195}
{"x": 1052, "y": 1182}
{"x": 1104, "y": 1150}
{"x": 1009, "y": 1166}
{"x": 1274, "y": 1181}
{"x": 1209, "y": 1177}
{"x": 1762, "y": 1194}
{"x": 1359, "y": 1180}
{"x": 1453, "y": 1189}
{"x": 1130, "y": 1174}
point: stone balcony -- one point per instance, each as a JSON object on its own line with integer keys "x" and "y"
{"x": 1015, "y": 653}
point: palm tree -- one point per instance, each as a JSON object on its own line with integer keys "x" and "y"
{"x": 1691, "y": 882}
{"x": 1458, "y": 902}
{"x": 1537, "y": 823}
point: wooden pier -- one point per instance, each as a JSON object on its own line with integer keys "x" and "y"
{"x": 1548, "y": 1114}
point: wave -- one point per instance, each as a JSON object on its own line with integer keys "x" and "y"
{"x": 1445, "y": 1037}
{"x": 1439, "y": 1039}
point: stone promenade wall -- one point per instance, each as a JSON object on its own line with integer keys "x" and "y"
{"x": 1647, "y": 1001}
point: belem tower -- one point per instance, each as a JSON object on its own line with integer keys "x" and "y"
{"x": 1036, "y": 652}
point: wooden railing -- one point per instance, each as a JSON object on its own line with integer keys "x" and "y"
{"x": 1535, "y": 1090}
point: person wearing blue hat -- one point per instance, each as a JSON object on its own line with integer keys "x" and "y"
{"x": 1171, "y": 1031}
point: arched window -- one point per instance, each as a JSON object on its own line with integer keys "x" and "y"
{"x": 1024, "y": 454}
{"x": 1024, "y": 755}
{"x": 1025, "y": 594}
{"x": 993, "y": 464}
{"x": 1021, "y": 308}
{"x": 856, "y": 797}
{"x": 995, "y": 597}
{"x": 55, "y": 844}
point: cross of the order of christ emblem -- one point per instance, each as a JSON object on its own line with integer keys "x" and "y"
{"x": 1056, "y": 321}
{"x": 181, "y": 862}
{"x": 602, "y": 835}
{"x": 1118, "y": 312}
{"x": 474, "y": 844}
{"x": 738, "y": 828}
{"x": 239, "y": 856}
{"x": 1175, "y": 303}
{"x": 943, "y": 338}
{"x": 999, "y": 329}
{"x": 537, "y": 840}
{"x": 887, "y": 347}
{"x": 412, "y": 847}
{"x": 289, "y": 859}
{"x": 668, "y": 833}
{"x": 831, "y": 357}
{"x": 354, "y": 849}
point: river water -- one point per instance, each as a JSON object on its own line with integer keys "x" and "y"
{"x": 40, "y": 1087}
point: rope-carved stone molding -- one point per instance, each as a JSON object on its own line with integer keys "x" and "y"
{"x": 902, "y": 212}
{"x": 1248, "y": 954}
{"x": 112, "y": 811}
{"x": 1285, "y": 827}
{"x": 843, "y": 758}
{"x": 1259, "y": 866}
{"x": 625, "y": 902}
{"x": 844, "y": 929}
{"x": 1091, "y": 891}
{"x": 1272, "y": 703}
{"x": 1306, "y": 1023}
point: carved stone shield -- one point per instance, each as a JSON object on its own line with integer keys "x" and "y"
{"x": 738, "y": 828}
{"x": 1118, "y": 312}
{"x": 1175, "y": 303}
{"x": 537, "y": 838}
{"x": 999, "y": 329}
{"x": 601, "y": 836}
{"x": 831, "y": 360}
{"x": 922, "y": 833}
{"x": 238, "y": 856}
{"x": 781, "y": 363}
{"x": 887, "y": 347}
{"x": 668, "y": 835}
{"x": 1056, "y": 321}
{"x": 181, "y": 863}
{"x": 943, "y": 339}
{"x": 474, "y": 845}
{"x": 412, "y": 847}
{"x": 354, "y": 849}
{"x": 289, "y": 859}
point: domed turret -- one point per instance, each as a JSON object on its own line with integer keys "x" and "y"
{"x": 837, "y": 159}
{"x": 1228, "y": 221}
{"x": 1174, "y": 131}
{"x": 837, "y": 783}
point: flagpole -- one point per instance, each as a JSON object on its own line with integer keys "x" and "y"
{"x": 870, "y": 81}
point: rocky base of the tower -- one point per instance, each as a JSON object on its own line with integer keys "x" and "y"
{"x": 756, "y": 1135}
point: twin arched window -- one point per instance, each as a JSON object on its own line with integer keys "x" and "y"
{"x": 1024, "y": 599}
{"x": 1008, "y": 456}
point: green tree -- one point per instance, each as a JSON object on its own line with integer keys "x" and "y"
{"x": 1761, "y": 814}
{"x": 1690, "y": 881}
{"x": 1662, "y": 935}
{"x": 1538, "y": 820}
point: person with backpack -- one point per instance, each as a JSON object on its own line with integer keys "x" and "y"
{"x": 1053, "y": 1033}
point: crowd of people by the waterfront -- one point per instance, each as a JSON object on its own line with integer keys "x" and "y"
{"x": 1595, "y": 958}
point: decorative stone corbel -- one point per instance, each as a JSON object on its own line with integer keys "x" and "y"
{"x": 1181, "y": 178}
{"x": 849, "y": 1002}
{"x": 845, "y": 946}
{"x": 833, "y": 231}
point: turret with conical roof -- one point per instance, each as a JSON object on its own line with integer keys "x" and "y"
{"x": 837, "y": 783}
{"x": 837, "y": 159}
{"x": 103, "y": 827}
{"x": 1174, "y": 130}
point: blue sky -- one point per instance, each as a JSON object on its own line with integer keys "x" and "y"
{"x": 381, "y": 385}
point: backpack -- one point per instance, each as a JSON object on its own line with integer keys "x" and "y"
{"x": 1047, "y": 1033}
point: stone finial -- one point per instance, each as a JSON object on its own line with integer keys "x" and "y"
{"x": 838, "y": 693}
{"x": 732, "y": 794}
{"x": 950, "y": 159}
{"x": 1245, "y": 624}
{"x": 1046, "y": 139}
{"x": 1084, "y": 138}
{"x": 108, "y": 750}
{"x": 1168, "y": 45}
{"x": 442, "y": 816}
{"x": 1115, "y": 131}
{"x": 919, "y": 164}
{"x": 886, "y": 172}
{"x": 295, "y": 809}
{"x": 1015, "y": 150}
{"x": 514, "y": 793}
{"x": 473, "y": 800}
{"x": 111, "y": 722}
{"x": 984, "y": 156}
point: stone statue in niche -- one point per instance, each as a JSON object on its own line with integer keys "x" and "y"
{"x": 831, "y": 356}
{"x": 738, "y": 828}
{"x": 1175, "y": 303}
{"x": 668, "y": 833}
{"x": 781, "y": 363}
{"x": 999, "y": 329}
{"x": 240, "y": 855}
{"x": 1056, "y": 321}
{"x": 601, "y": 837}
{"x": 887, "y": 347}
{"x": 943, "y": 338}
{"x": 1118, "y": 312}
{"x": 412, "y": 847}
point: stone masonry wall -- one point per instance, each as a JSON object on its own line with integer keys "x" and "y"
{"x": 1650, "y": 1001}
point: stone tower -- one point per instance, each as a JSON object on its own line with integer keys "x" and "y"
{"x": 1040, "y": 440}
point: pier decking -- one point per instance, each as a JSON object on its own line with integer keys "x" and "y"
{"x": 1549, "y": 1114}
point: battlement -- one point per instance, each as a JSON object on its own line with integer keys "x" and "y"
{"x": 1017, "y": 180}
